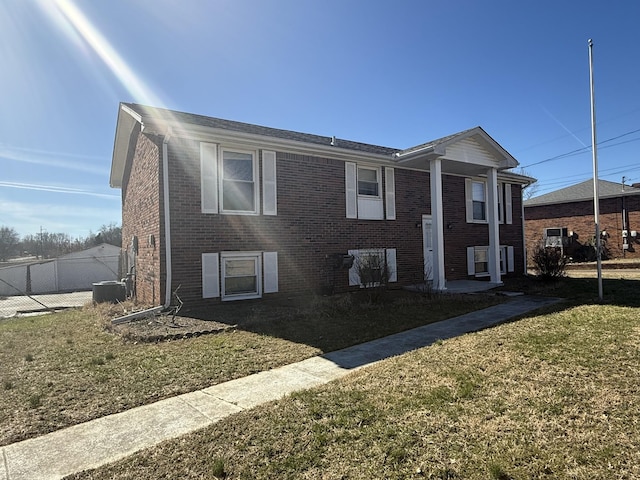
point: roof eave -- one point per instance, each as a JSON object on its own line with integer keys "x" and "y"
{"x": 212, "y": 134}
{"x": 127, "y": 120}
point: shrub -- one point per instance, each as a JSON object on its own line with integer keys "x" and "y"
{"x": 374, "y": 274}
{"x": 587, "y": 252}
{"x": 550, "y": 262}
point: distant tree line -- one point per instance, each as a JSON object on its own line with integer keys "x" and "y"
{"x": 51, "y": 245}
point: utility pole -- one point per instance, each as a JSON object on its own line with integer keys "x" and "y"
{"x": 596, "y": 196}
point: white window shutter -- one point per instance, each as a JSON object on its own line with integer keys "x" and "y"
{"x": 270, "y": 271}
{"x": 391, "y": 265}
{"x": 468, "y": 195}
{"x": 351, "y": 188}
{"x": 269, "y": 186}
{"x": 390, "y": 192}
{"x": 471, "y": 261}
{"x": 508, "y": 209}
{"x": 354, "y": 278}
{"x": 510, "y": 260}
{"x": 209, "y": 177}
{"x": 210, "y": 276}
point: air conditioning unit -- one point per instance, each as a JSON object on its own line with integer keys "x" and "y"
{"x": 625, "y": 233}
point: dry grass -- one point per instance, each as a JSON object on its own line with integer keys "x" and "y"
{"x": 552, "y": 397}
{"x": 62, "y": 369}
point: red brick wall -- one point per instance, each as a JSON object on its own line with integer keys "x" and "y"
{"x": 578, "y": 217}
{"x": 141, "y": 216}
{"x": 462, "y": 234}
{"x": 311, "y": 224}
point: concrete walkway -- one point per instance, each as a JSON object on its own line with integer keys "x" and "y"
{"x": 95, "y": 443}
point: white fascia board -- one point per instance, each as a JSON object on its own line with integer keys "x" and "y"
{"x": 515, "y": 178}
{"x": 127, "y": 120}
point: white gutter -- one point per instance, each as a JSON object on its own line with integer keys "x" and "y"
{"x": 218, "y": 135}
{"x": 167, "y": 219}
{"x": 414, "y": 153}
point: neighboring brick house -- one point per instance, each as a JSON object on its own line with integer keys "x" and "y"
{"x": 565, "y": 218}
{"x": 250, "y": 211}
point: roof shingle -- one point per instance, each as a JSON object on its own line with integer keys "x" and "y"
{"x": 581, "y": 192}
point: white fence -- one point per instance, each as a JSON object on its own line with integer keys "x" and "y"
{"x": 73, "y": 272}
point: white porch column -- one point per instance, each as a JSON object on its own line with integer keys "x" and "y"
{"x": 435, "y": 174}
{"x": 494, "y": 227}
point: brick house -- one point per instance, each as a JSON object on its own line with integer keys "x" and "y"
{"x": 230, "y": 211}
{"x": 565, "y": 218}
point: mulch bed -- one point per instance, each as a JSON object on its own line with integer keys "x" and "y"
{"x": 159, "y": 328}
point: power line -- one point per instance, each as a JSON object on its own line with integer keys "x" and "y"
{"x": 552, "y": 186}
{"x": 586, "y": 149}
{"x": 576, "y": 131}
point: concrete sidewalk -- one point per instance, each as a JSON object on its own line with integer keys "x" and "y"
{"x": 95, "y": 443}
{"x": 11, "y": 306}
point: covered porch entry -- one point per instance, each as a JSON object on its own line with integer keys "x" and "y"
{"x": 471, "y": 154}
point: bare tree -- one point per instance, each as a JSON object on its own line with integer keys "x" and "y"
{"x": 9, "y": 240}
{"x": 530, "y": 190}
{"x": 111, "y": 234}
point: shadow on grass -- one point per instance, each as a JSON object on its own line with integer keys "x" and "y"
{"x": 330, "y": 323}
{"x": 580, "y": 291}
{"x": 334, "y": 322}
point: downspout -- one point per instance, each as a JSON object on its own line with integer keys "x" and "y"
{"x": 524, "y": 238}
{"x": 167, "y": 218}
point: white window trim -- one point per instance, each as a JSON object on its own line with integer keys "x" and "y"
{"x": 481, "y": 274}
{"x": 506, "y": 260}
{"x": 213, "y": 274}
{"x": 257, "y": 258}
{"x": 370, "y": 207}
{"x": 469, "y": 200}
{"x": 378, "y": 171}
{"x": 256, "y": 183}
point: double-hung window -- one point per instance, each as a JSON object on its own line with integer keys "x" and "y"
{"x": 239, "y": 187}
{"x": 369, "y": 182}
{"x": 367, "y": 197}
{"x": 477, "y": 201}
{"x": 478, "y": 260}
{"x": 478, "y": 196}
{"x": 481, "y": 261}
{"x": 241, "y": 276}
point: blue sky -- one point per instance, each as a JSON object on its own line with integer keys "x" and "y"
{"x": 393, "y": 73}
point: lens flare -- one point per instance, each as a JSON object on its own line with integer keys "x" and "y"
{"x": 79, "y": 30}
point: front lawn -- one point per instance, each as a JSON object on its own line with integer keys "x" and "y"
{"x": 550, "y": 396}
{"x": 63, "y": 369}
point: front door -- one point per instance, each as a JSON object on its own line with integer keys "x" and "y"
{"x": 427, "y": 242}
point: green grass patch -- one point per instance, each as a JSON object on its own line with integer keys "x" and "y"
{"x": 551, "y": 396}
{"x": 88, "y": 372}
